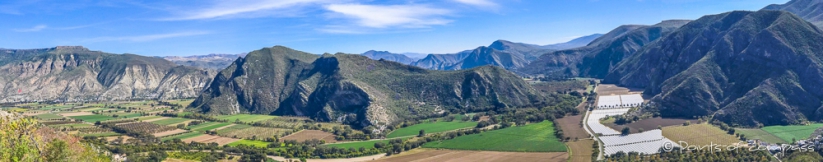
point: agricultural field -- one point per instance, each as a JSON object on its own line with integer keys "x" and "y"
{"x": 760, "y": 134}
{"x": 75, "y": 125}
{"x": 311, "y": 134}
{"x": 205, "y": 138}
{"x": 250, "y": 132}
{"x": 92, "y": 118}
{"x": 536, "y": 137}
{"x": 168, "y": 133}
{"x": 699, "y": 135}
{"x": 792, "y": 132}
{"x": 648, "y": 124}
{"x": 149, "y": 117}
{"x": 581, "y": 150}
{"x": 358, "y": 144}
{"x": 249, "y": 143}
{"x": 245, "y": 117}
{"x": 427, "y": 155}
{"x": 170, "y": 121}
{"x": 145, "y": 127}
{"x": 184, "y": 102}
{"x": 572, "y": 126}
{"x": 182, "y": 136}
{"x": 431, "y": 127}
{"x": 207, "y": 126}
{"x": 48, "y": 116}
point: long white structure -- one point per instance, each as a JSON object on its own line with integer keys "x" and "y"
{"x": 619, "y": 101}
{"x": 597, "y": 127}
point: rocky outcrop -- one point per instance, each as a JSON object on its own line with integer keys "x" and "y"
{"x": 78, "y": 74}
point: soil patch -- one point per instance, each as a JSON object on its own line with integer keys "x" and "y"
{"x": 477, "y": 156}
{"x": 311, "y": 134}
{"x": 581, "y": 150}
{"x": 171, "y": 132}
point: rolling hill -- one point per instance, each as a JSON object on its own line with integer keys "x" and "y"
{"x": 745, "y": 68}
{"x": 356, "y": 90}
{"x": 74, "y": 73}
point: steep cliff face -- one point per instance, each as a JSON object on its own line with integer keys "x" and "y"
{"x": 745, "y": 68}
{"x": 283, "y": 81}
{"x": 78, "y": 74}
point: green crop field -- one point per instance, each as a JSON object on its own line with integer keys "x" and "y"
{"x": 183, "y": 136}
{"x": 430, "y": 127}
{"x": 760, "y": 134}
{"x": 538, "y": 137}
{"x": 356, "y": 145}
{"x": 93, "y": 118}
{"x": 170, "y": 121}
{"x": 148, "y": 117}
{"x": 76, "y": 125}
{"x": 246, "y": 117}
{"x": 787, "y": 133}
{"x": 106, "y": 134}
{"x": 208, "y": 126}
{"x": 129, "y": 115}
{"x": 48, "y": 116}
{"x": 249, "y": 143}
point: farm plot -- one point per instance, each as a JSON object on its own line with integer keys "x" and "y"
{"x": 74, "y": 125}
{"x": 427, "y": 155}
{"x": 167, "y": 133}
{"x": 92, "y": 118}
{"x": 431, "y": 127}
{"x": 245, "y": 117}
{"x": 249, "y": 132}
{"x": 210, "y": 138}
{"x": 70, "y": 114}
{"x": 759, "y": 134}
{"x": 611, "y": 89}
{"x": 359, "y": 144}
{"x": 183, "y": 136}
{"x": 144, "y": 127}
{"x": 649, "y": 124}
{"x": 249, "y": 143}
{"x": 581, "y": 150}
{"x": 796, "y": 132}
{"x": 699, "y": 134}
{"x": 48, "y": 116}
{"x": 537, "y": 137}
{"x": 594, "y": 121}
{"x": 100, "y": 134}
{"x": 572, "y": 126}
{"x": 648, "y": 142}
{"x": 170, "y": 121}
{"x": 311, "y": 134}
{"x": 208, "y": 126}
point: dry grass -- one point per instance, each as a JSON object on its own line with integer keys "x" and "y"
{"x": 210, "y": 138}
{"x": 171, "y": 132}
{"x": 699, "y": 134}
{"x": 311, "y": 134}
{"x": 581, "y": 150}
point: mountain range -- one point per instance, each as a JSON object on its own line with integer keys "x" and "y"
{"x": 210, "y": 61}
{"x": 356, "y": 90}
{"x": 74, "y": 73}
{"x": 810, "y": 10}
{"x": 744, "y": 68}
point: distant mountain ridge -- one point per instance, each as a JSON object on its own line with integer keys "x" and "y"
{"x": 507, "y": 54}
{"x": 74, "y": 73}
{"x": 810, "y": 10}
{"x": 210, "y": 61}
{"x": 602, "y": 54}
{"x": 377, "y": 55}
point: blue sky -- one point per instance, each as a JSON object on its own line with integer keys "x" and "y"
{"x": 196, "y": 27}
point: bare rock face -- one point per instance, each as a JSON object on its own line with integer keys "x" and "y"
{"x": 74, "y": 73}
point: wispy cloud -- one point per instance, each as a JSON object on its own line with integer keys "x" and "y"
{"x": 145, "y": 38}
{"x": 32, "y": 29}
{"x": 384, "y": 16}
{"x": 242, "y": 8}
{"x": 481, "y": 3}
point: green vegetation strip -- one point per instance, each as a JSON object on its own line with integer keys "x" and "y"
{"x": 249, "y": 143}
{"x": 208, "y": 126}
{"x": 183, "y": 136}
{"x": 797, "y": 132}
{"x": 106, "y": 134}
{"x": 49, "y": 116}
{"x": 93, "y": 118}
{"x": 430, "y": 127}
{"x": 538, "y": 137}
{"x": 760, "y": 134}
{"x": 170, "y": 121}
{"x": 357, "y": 145}
{"x": 246, "y": 117}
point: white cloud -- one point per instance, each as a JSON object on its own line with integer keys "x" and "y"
{"x": 384, "y": 16}
{"x": 242, "y": 8}
{"x": 482, "y": 3}
{"x": 145, "y": 38}
{"x": 32, "y": 29}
